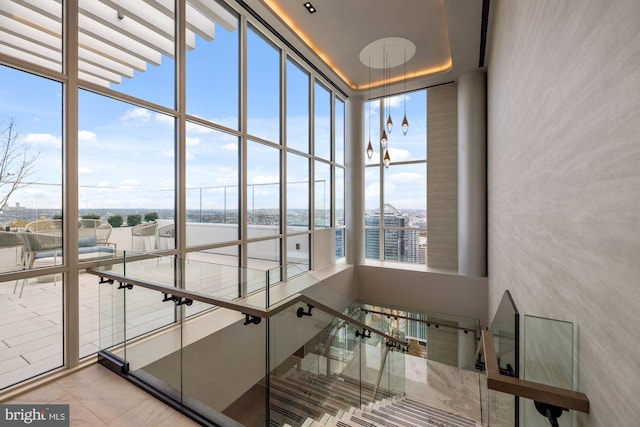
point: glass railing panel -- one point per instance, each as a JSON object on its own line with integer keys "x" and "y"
{"x": 505, "y": 328}
{"x": 224, "y": 367}
{"x": 548, "y": 359}
{"x": 496, "y": 407}
{"x": 156, "y": 358}
{"x": 503, "y": 408}
{"x": 111, "y": 316}
{"x": 299, "y": 356}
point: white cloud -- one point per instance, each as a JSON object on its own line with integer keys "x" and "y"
{"x": 230, "y": 147}
{"x": 42, "y": 139}
{"x": 407, "y": 178}
{"x": 87, "y": 136}
{"x": 137, "y": 114}
{"x": 84, "y": 170}
{"x": 190, "y": 140}
{"x": 163, "y": 118}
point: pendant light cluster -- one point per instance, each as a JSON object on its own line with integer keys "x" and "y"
{"x": 386, "y": 105}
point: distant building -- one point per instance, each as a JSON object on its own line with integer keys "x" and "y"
{"x": 400, "y": 244}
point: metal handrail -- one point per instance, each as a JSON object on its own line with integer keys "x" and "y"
{"x": 544, "y": 393}
{"x": 246, "y": 309}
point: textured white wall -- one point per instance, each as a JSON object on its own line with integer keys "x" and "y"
{"x": 564, "y": 182}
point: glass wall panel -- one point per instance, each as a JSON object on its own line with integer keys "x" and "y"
{"x": 126, "y": 160}
{"x": 130, "y": 48}
{"x": 297, "y": 193}
{"x": 34, "y": 34}
{"x": 372, "y": 123}
{"x": 322, "y": 121}
{"x": 405, "y": 189}
{"x": 340, "y": 217}
{"x": 339, "y": 131}
{"x": 31, "y": 330}
{"x": 299, "y": 251}
{"x": 212, "y": 78}
{"x": 339, "y": 196}
{"x": 263, "y": 87}
{"x": 297, "y": 107}
{"x": 30, "y": 171}
{"x": 212, "y": 186}
{"x": 263, "y": 190}
{"x": 322, "y": 194}
{"x": 372, "y": 212}
{"x": 227, "y": 255}
{"x": 264, "y": 255}
{"x": 413, "y": 145}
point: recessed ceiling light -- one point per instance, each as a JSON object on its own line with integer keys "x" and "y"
{"x": 310, "y": 7}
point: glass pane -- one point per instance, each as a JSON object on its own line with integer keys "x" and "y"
{"x": 263, "y": 87}
{"x": 34, "y": 34}
{"x": 340, "y": 242}
{"x": 322, "y": 121}
{"x": 405, "y": 190}
{"x": 372, "y": 241}
{"x": 31, "y": 172}
{"x": 139, "y": 144}
{"x": 297, "y": 193}
{"x": 263, "y": 255}
{"x": 263, "y": 190}
{"x": 213, "y": 65}
{"x": 413, "y": 145}
{"x": 372, "y": 123}
{"x": 227, "y": 255}
{"x": 212, "y": 186}
{"x": 297, "y": 107}
{"x": 339, "y": 131}
{"x": 298, "y": 251}
{"x": 130, "y": 48}
{"x": 323, "y": 194}
{"x": 548, "y": 359}
{"x": 372, "y": 188}
{"x": 31, "y": 329}
{"x": 339, "y": 199}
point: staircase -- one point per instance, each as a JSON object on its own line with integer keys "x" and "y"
{"x": 308, "y": 400}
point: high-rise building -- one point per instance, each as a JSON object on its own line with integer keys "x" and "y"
{"x": 400, "y": 244}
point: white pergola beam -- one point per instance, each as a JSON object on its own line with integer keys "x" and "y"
{"x": 28, "y": 57}
{"x": 118, "y": 40}
{"x": 126, "y": 27}
{"x": 93, "y": 79}
{"x": 105, "y": 62}
{"x": 102, "y": 48}
{"x": 115, "y": 37}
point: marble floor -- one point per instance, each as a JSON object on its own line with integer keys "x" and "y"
{"x": 98, "y": 397}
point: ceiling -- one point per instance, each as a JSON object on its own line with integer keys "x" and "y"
{"x": 446, "y": 35}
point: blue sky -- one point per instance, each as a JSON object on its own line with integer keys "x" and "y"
{"x": 126, "y": 152}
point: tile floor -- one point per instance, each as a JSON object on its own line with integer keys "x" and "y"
{"x": 98, "y": 397}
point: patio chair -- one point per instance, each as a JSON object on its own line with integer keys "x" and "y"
{"x": 9, "y": 239}
{"x": 98, "y": 228}
{"x": 166, "y": 236}
{"x": 45, "y": 226}
{"x": 39, "y": 245}
{"x": 146, "y": 234}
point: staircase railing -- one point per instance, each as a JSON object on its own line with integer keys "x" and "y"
{"x": 200, "y": 361}
{"x": 546, "y": 388}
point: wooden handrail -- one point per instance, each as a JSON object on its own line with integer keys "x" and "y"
{"x": 238, "y": 306}
{"x": 557, "y": 396}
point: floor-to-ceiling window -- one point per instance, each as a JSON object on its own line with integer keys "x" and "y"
{"x": 235, "y": 140}
{"x": 396, "y": 180}
{"x": 31, "y": 197}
